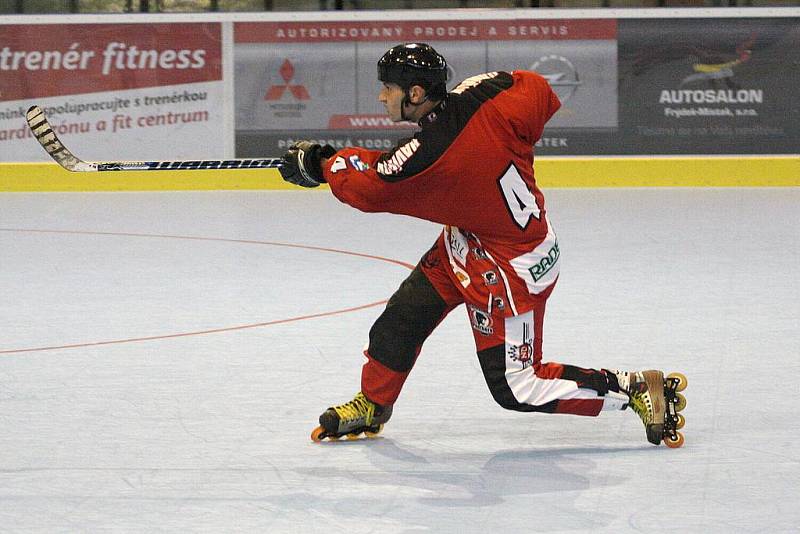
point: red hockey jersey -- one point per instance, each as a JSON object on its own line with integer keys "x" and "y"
{"x": 470, "y": 167}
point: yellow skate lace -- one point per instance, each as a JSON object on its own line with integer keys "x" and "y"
{"x": 642, "y": 404}
{"x": 357, "y": 408}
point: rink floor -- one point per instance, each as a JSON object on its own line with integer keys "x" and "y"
{"x": 166, "y": 355}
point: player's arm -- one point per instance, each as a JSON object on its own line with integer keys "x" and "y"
{"x": 353, "y": 170}
{"x": 359, "y": 177}
{"x": 532, "y": 105}
{"x": 368, "y": 179}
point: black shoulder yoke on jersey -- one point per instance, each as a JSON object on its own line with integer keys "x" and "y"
{"x": 441, "y": 126}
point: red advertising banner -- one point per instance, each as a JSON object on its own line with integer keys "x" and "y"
{"x": 69, "y": 59}
{"x": 426, "y": 30}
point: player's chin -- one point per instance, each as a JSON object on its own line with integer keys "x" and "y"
{"x": 392, "y": 116}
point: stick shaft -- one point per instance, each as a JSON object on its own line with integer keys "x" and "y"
{"x": 40, "y": 126}
{"x": 188, "y": 165}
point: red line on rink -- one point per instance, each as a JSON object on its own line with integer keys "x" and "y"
{"x": 199, "y": 332}
{"x": 213, "y": 330}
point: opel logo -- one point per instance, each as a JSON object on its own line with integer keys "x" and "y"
{"x": 560, "y": 73}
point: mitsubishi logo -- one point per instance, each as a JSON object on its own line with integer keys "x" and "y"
{"x": 275, "y": 92}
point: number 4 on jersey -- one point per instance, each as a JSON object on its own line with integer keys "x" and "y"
{"x": 519, "y": 199}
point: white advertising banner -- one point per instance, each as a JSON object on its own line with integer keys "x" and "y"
{"x": 317, "y": 79}
{"x": 114, "y": 91}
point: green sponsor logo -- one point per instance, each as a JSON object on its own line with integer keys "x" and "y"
{"x": 545, "y": 264}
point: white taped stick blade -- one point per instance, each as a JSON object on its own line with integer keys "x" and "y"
{"x": 44, "y": 133}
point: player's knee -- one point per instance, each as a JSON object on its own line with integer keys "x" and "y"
{"x": 508, "y": 402}
{"x": 390, "y": 341}
{"x": 410, "y": 316}
{"x": 493, "y": 365}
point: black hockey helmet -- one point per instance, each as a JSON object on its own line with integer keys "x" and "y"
{"x": 413, "y": 64}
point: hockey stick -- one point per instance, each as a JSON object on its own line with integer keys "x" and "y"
{"x": 49, "y": 140}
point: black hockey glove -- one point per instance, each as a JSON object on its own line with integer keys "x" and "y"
{"x": 302, "y": 163}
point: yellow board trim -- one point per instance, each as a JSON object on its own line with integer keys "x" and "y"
{"x": 551, "y": 172}
{"x": 21, "y": 177}
{"x": 688, "y": 171}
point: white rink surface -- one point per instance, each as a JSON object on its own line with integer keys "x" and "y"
{"x": 210, "y": 432}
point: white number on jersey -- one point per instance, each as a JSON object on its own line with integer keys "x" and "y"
{"x": 519, "y": 199}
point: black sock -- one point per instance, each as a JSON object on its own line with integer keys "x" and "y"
{"x": 613, "y": 383}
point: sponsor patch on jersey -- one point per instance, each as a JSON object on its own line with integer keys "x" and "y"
{"x": 481, "y": 321}
{"x": 338, "y": 164}
{"x": 522, "y": 354}
{"x": 539, "y": 267}
{"x": 490, "y": 278}
{"x": 357, "y": 164}
{"x": 461, "y": 274}
{"x": 394, "y": 165}
{"x": 499, "y": 303}
{"x": 479, "y": 253}
{"x": 457, "y": 244}
{"x": 519, "y": 341}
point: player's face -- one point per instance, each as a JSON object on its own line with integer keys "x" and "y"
{"x": 391, "y": 96}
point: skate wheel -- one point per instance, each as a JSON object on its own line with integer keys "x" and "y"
{"x": 316, "y": 434}
{"x": 680, "y": 422}
{"x": 682, "y": 382}
{"x": 674, "y": 443}
{"x": 370, "y": 434}
{"x": 680, "y": 402}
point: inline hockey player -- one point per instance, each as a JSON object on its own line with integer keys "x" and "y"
{"x": 470, "y": 168}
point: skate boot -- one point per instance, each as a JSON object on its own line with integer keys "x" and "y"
{"x": 360, "y": 415}
{"x": 657, "y": 401}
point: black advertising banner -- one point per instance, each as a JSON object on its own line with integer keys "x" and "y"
{"x": 709, "y": 86}
{"x": 627, "y": 86}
